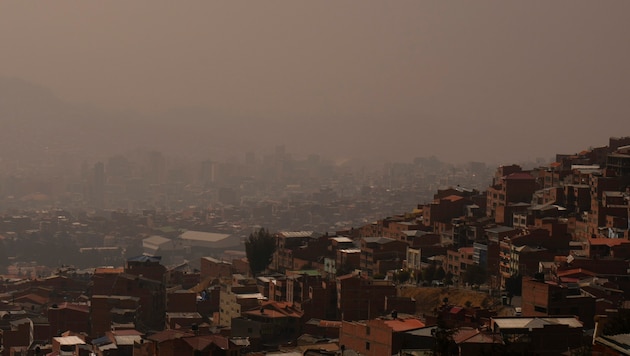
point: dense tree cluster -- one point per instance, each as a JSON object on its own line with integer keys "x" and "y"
{"x": 259, "y": 248}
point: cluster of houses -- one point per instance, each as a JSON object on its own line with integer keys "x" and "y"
{"x": 556, "y": 237}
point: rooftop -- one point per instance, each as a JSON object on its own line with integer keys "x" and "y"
{"x": 402, "y": 325}
{"x": 601, "y": 241}
{"x": 378, "y": 240}
{"x": 341, "y": 239}
{"x": 156, "y": 240}
{"x": 203, "y": 236}
{"x": 289, "y": 234}
{"x": 535, "y": 322}
{"x": 69, "y": 340}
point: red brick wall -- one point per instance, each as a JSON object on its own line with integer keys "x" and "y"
{"x": 181, "y": 302}
{"x": 355, "y": 336}
{"x": 213, "y": 269}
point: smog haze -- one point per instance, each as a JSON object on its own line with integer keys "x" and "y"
{"x": 463, "y": 81}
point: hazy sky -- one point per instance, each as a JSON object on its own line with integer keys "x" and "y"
{"x": 461, "y": 80}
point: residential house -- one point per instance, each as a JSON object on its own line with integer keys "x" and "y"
{"x": 378, "y": 336}
{"x": 380, "y": 254}
{"x": 360, "y": 297}
{"x": 547, "y": 298}
{"x": 539, "y": 335}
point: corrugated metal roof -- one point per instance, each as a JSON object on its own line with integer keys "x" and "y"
{"x": 290, "y": 234}
{"x": 127, "y": 339}
{"x": 535, "y": 322}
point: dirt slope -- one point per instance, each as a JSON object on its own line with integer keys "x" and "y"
{"x": 429, "y": 298}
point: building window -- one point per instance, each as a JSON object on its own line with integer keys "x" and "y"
{"x": 367, "y": 330}
{"x": 367, "y": 345}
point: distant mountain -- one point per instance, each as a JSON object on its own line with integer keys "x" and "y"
{"x": 34, "y": 121}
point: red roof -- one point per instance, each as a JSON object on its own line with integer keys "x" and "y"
{"x": 520, "y": 175}
{"x": 453, "y": 198}
{"x": 107, "y": 270}
{"x": 78, "y": 307}
{"x": 127, "y": 332}
{"x": 474, "y": 336}
{"x": 32, "y": 298}
{"x": 274, "y": 309}
{"x": 201, "y": 343}
{"x": 575, "y": 272}
{"x": 169, "y": 334}
{"x": 600, "y": 241}
{"x": 399, "y": 325}
{"x": 463, "y": 334}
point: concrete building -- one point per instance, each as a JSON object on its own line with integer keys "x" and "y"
{"x": 234, "y": 300}
{"x": 192, "y": 240}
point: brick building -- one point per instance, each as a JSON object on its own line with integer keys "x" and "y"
{"x": 359, "y": 297}
{"x": 545, "y": 298}
{"x": 511, "y": 187}
{"x": 68, "y": 317}
{"x": 379, "y": 336}
{"x": 458, "y": 261}
{"x": 538, "y": 335}
{"x": 213, "y": 268}
{"x": 375, "y": 250}
{"x": 106, "y": 310}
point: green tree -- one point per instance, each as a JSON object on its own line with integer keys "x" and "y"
{"x": 402, "y": 276}
{"x": 259, "y": 248}
{"x": 428, "y": 273}
{"x": 439, "y": 274}
{"x": 443, "y": 337}
{"x": 514, "y": 284}
{"x": 448, "y": 278}
{"x": 345, "y": 268}
{"x": 475, "y": 274}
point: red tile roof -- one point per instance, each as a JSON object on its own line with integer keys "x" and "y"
{"x": 107, "y": 270}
